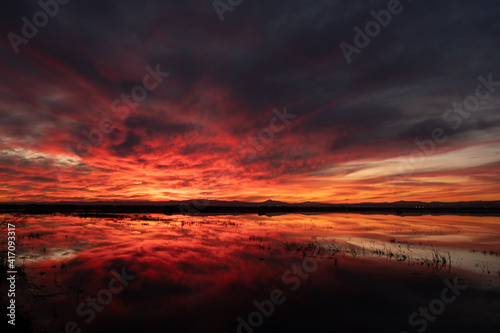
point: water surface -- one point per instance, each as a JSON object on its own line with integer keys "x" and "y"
{"x": 337, "y": 272}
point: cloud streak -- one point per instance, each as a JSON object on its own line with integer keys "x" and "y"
{"x": 354, "y": 122}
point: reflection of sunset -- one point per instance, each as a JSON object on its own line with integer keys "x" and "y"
{"x": 172, "y": 239}
{"x": 199, "y": 262}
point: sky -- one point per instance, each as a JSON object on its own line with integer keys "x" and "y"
{"x": 298, "y": 100}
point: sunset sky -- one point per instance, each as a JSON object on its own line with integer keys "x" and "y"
{"x": 262, "y": 105}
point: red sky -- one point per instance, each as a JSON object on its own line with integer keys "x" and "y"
{"x": 210, "y": 128}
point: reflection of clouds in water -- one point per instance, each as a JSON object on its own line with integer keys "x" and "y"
{"x": 61, "y": 254}
{"x": 198, "y": 265}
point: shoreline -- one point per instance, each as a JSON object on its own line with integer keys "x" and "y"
{"x": 259, "y": 210}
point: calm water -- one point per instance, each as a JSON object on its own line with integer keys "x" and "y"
{"x": 288, "y": 273}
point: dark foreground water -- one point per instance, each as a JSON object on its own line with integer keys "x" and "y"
{"x": 289, "y": 273}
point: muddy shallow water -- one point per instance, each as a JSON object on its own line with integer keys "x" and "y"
{"x": 247, "y": 273}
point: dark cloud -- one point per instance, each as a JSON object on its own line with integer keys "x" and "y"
{"x": 226, "y": 78}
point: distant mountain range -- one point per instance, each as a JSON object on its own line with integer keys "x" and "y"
{"x": 197, "y": 207}
{"x": 273, "y": 203}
